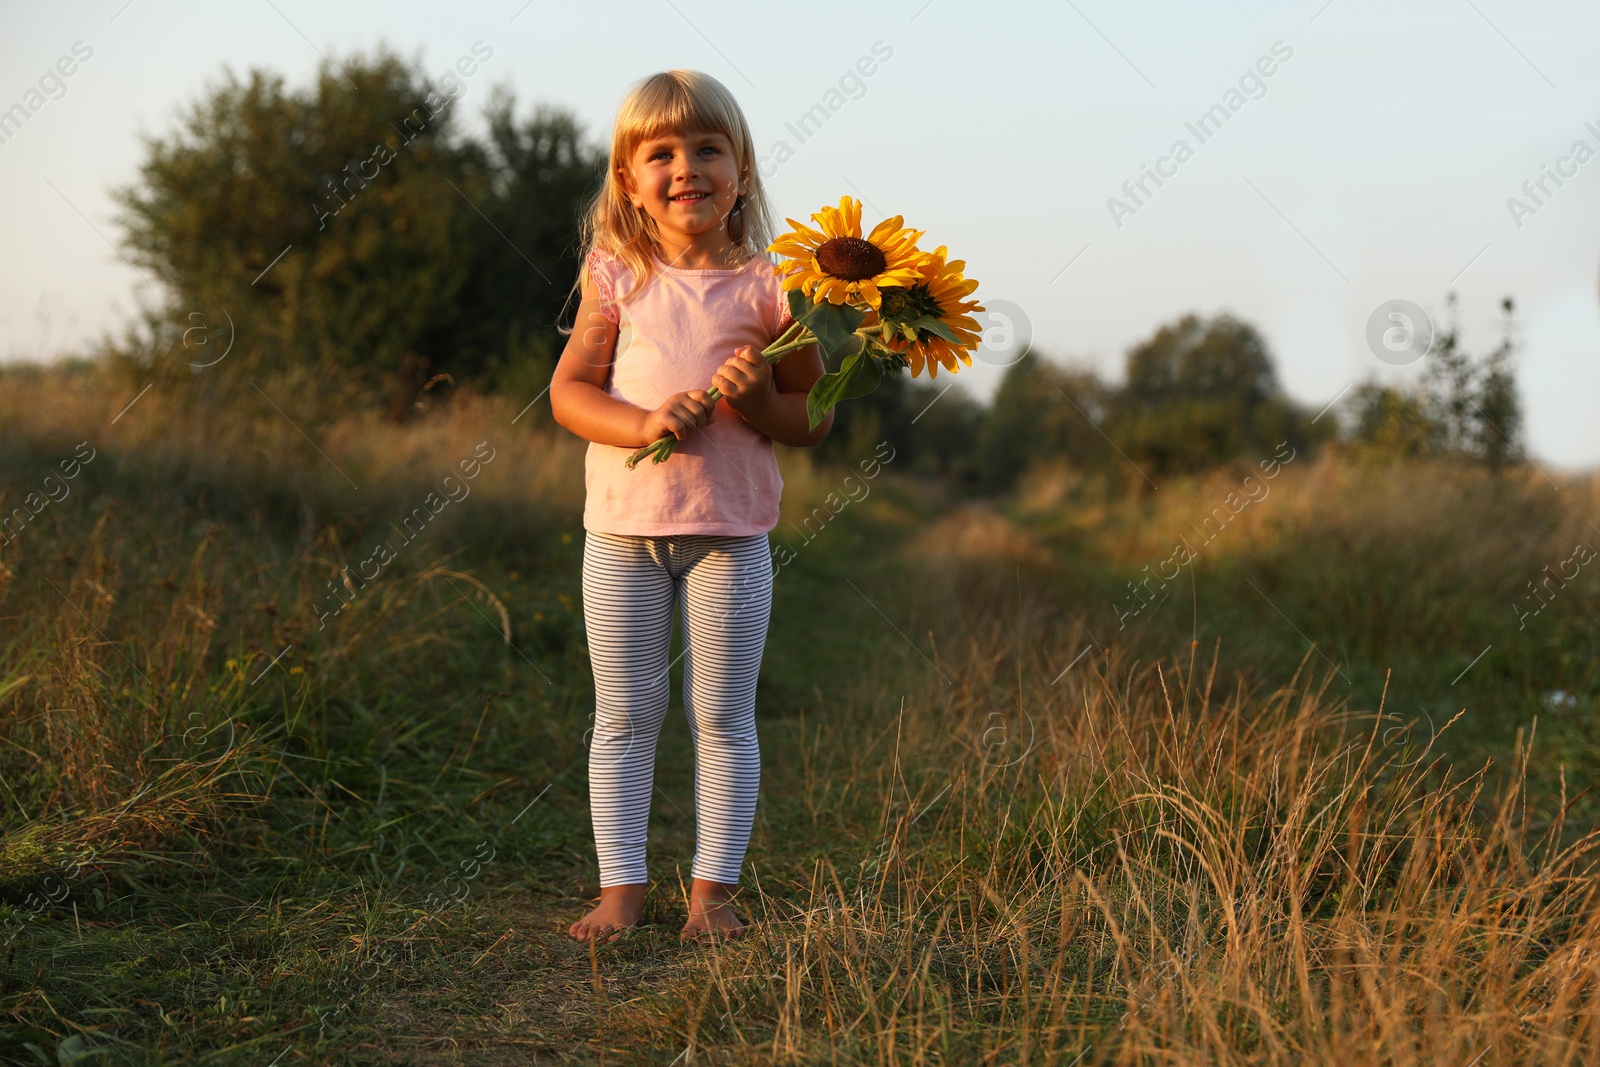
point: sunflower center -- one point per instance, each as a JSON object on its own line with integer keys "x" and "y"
{"x": 910, "y": 304}
{"x": 851, "y": 258}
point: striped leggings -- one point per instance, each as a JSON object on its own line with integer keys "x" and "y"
{"x": 723, "y": 587}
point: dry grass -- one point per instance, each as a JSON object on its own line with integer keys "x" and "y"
{"x": 122, "y": 724}
{"x": 965, "y": 853}
{"x": 1134, "y": 867}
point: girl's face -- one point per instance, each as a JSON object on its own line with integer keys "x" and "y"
{"x": 688, "y": 183}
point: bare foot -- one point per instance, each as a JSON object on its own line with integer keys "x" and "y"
{"x": 711, "y": 911}
{"x": 620, "y": 907}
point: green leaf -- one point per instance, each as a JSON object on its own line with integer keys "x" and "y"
{"x": 75, "y": 1049}
{"x": 856, "y": 377}
{"x": 832, "y": 323}
{"x": 936, "y": 327}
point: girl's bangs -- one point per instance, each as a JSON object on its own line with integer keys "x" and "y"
{"x": 668, "y": 107}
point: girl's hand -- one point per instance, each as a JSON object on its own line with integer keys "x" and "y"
{"x": 746, "y": 380}
{"x": 681, "y": 415}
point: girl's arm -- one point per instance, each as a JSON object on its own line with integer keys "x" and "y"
{"x": 578, "y": 397}
{"x": 781, "y": 415}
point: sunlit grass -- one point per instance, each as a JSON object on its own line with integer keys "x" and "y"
{"x": 993, "y": 827}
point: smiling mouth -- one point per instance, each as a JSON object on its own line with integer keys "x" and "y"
{"x": 689, "y": 198}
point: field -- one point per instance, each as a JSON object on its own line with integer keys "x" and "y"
{"x": 275, "y": 795}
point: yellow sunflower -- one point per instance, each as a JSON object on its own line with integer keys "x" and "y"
{"x": 940, "y": 293}
{"x": 835, "y": 263}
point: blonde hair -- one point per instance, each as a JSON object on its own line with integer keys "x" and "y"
{"x": 673, "y": 101}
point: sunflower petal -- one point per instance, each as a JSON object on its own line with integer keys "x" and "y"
{"x": 885, "y": 229}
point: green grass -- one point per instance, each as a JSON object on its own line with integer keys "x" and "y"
{"x": 959, "y": 854}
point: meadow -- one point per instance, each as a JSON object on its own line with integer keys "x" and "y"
{"x": 294, "y": 707}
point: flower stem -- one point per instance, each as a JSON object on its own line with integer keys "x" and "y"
{"x": 796, "y": 336}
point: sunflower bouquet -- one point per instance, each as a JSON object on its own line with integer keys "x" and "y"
{"x": 874, "y": 305}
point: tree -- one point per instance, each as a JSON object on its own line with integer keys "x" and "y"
{"x": 1390, "y": 422}
{"x": 314, "y": 217}
{"x": 1041, "y": 410}
{"x": 1474, "y": 402}
{"x": 530, "y": 180}
{"x": 349, "y": 223}
{"x": 1463, "y": 406}
{"x": 931, "y": 424}
{"x": 1200, "y": 392}
{"x": 1193, "y": 358}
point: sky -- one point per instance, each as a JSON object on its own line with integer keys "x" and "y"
{"x": 1357, "y": 154}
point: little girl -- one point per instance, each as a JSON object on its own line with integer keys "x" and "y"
{"x": 678, "y": 294}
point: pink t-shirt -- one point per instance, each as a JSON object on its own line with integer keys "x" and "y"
{"x": 673, "y": 335}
